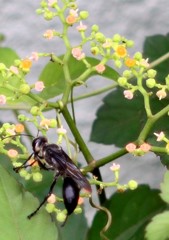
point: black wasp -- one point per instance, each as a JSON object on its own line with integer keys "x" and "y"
{"x": 52, "y": 157}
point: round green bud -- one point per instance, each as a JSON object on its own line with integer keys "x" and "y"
{"x": 118, "y": 63}
{"x": 130, "y": 43}
{"x": 6, "y": 126}
{"x": 43, "y": 4}
{"x": 151, "y": 73}
{"x": 21, "y": 118}
{"x": 17, "y": 62}
{"x": 132, "y": 184}
{"x": 117, "y": 38}
{"x": 150, "y": 82}
{"x": 61, "y": 216}
{"x": 100, "y": 37}
{"x": 50, "y": 207}
{"x": 37, "y": 177}
{"x": 28, "y": 176}
{"x": 138, "y": 56}
{"x": 48, "y": 15}
{"x": 94, "y": 50}
{"x": 2, "y": 67}
{"x": 73, "y": 5}
{"x": 83, "y": 14}
{"x": 35, "y": 111}
{"x": 24, "y": 88}
{"x": 53, "y": 123}
{"x": 23, "y": 173}
{"x": 78, "y": 210}
{"x": 95, "y": 28}
{"x": 39, "y": 11}
{"x": 122, "y": 81}
{"x": 127, "y": 73}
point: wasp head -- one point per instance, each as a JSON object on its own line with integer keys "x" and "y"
{"x": 38, "y": 145}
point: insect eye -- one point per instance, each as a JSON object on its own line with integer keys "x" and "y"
{"x": 38, "y": 144}
{"x": 70, "y": 194}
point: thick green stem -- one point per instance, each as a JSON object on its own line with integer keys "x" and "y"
{"x": 83, "y": 147}
{"x": 101, "y": 162}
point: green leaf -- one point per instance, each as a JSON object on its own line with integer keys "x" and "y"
{"x": 155, "y": 47}
{"x": 54, "y": 79}
{"x": 15, "y": 205}
{"x": 76, "y": 227}
{"x": 159, "y": 227}
{"x": 122, "y": 120}
{"x": 165, "y": 188}
{"x": 130, "y": 211}
{"x": 7, "y": 56}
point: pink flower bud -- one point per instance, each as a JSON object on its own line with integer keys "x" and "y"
{"x": 77, "y": 53}
{"x": 100, "y": 68}
{"x": 128, "y": 94}
{"x": 39, "y": 86}
{"x": 14, "y": 70}
{"x": 145, "y": 147}
{"x": 115, "y": 167}
{"x": 130, "y": 147}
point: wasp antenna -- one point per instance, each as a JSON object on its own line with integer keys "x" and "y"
{"x": 12, "y": 136}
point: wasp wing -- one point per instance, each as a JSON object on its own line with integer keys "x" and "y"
{"x": 56, "y": 158}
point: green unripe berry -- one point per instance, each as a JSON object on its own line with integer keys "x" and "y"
{"x": 118, "y": 63}
{"x": 129, "y": 43}
{"x": 24, "y": 88}
{"x": 127, "y": 73}
{"x": 100, "y": 37}
{"x": 78, "y": 210}
{"x": 37, "y": 177}
{"x": 17, "y": 62}
{"x": 35, "y": 111}
{"x": 117, "y": 38}
{"x": 43, "y": 4}
{"x": 132, "y": 184}
{"x": 23, "y": 173}
{"x": 151, "y": 73}
{"x": 53, "y": 123}
{"x": 94, "y": 50}
{"x": 6, "y": 126}
{"x": 48, "y": 15}
{"x": 95, "y": 28}
{"x": 21, "y": 118}
{"x": 2, "y": 67}
{"x": 138, "y": 56}
{"x": 39, "y": 11}
{"x": 28, "y": 176}
{"x": 122, "y": 81}
{"x": 83, "y": 14}
{"x": 61, "y": 216}
{"x": 50, "y": 207}
{"x": 150, "y": 82}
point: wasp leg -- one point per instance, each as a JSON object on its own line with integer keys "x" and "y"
{"x": 16, "y": 169}
{"x": 46, "y": 197}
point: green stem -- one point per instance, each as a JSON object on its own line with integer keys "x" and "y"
{"x": 83, "y": 147}
{"x": 149, "y": 124}
{"x": 101, "y": 162}
{"x": 97, "y": 92}
{"x": 159, "y": 60}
